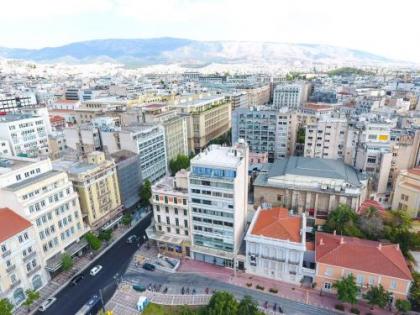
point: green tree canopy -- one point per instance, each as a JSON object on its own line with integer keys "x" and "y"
{"x": 181, "y": 162}
{"x": 415, "y": 290}
{"x": 371, "y": 224}
{"x": 222, "y": 303}
{"x": 343, "y": 221}
{"x": 248, "y": 306}
{"x": 93, "y": 241}
{"x": 403, "y": 306}
{"x": 146, "y": 193}
{"x": 31, "y": 297}
{"x": 105, "y": 235}
{"x": 6, "y": 307}
{"x": 126, "y": 219}
{"x": 347, "y": 289}
{"x": 66, "y": 261}
{"x": 377, "y": 296}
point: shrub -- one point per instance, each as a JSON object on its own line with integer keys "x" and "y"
{"x": 260, "y": 287}
{"x": 354, "y": 310}
{"x": 105, "y": 235}
{"x": 93, "y": 241}
{"x": 273, "y": 290}
{"x": 66, "y": 262}
{"x": 339, "y": 307}
{"x": 249, "y": 284}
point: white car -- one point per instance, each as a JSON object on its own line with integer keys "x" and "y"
{"x": 94, "y": 271}
{"x": 46, "y": 304}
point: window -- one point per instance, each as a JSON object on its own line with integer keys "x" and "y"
{"x": 371, "y": 280}
{"x": 176, "y": 210}
{"x": 279, "y": 198}
{"x": 185, "y": 212}
{"x": 168, "y": 229}
{"x": 328, "y": 271}
{"x": 166, "y": 209}
{"x": 360, "y": 279}
{"x": 186, "y": 223}
{"x": 176, "y": 221}
{"x": 3, "y": 248}
{"x": 157, "y": 208}
{"x": 327, "y": 286}
{"x": 158, "y": 218}
{"x": 393, "y": 284}
{"x": 168, "y": 221}
{"x": 177, "y": 231}
{"x": 184, "y": 202}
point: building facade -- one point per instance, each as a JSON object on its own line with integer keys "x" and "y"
{"x": 406, "y": 194}
{"x": 218, "y": 190}
{"x": 288, "y": 95}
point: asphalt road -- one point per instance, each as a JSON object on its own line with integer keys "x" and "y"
{"x": 176, "y": 281}
{"x": 116, "y": 260}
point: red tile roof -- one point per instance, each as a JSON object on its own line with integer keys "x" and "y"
{"x": 56, "y": 118}
{"x": 370, "y": 203}
{"x": 359, "y": 254}
{"x": 276, "y": 223}
{"x": 11, "y": 224}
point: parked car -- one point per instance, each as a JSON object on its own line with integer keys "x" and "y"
{"x": 46, "y": 304}
{"x": 77, "y": 279}
{"x": 132, "y": 239}
{"x": 149, "y": 267}
{"x": 94, "y": 271}
{"x": 139, "y": 287}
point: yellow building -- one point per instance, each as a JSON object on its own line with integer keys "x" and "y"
{"x": 97, "y": 185}
{"x": 407, "y": 192}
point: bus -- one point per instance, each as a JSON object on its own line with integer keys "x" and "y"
{"x": 91, "y": 307}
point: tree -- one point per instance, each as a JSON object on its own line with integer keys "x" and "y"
{"x": 181, "y": 162}
{"x": 93, "y": 241}
{"x": 66, "y": 261}
{"x": 126, "y": 219}
{"x": 415, "y": 290}
{"x": 400, "y": 220}
{"x": 343, "y": 221}
{"x": 31, "y": 297}
{"x": 300, "y": 135}
{"x": 248, "y": 306}
{"x": 222, "y": 303}
{"x": 377, "y": 296}
{"x": 6, "y": 307}
{"x": 403, "y": 306}
{"x": 105, "y": 235}
{"x": 146, "y": 193}
{"x": 347, "y": 289}
{"x": 371, "y": 224}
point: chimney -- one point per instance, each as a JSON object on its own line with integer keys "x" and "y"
{"x": 397, "y": 246}
{"x": 380, "y": 246}
{"x": 335, "y": 232}
{"x": 321, "y": 242}
{"x": 341, "y": 240}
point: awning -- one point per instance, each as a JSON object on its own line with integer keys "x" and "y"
{"x": 54, "y": 263}
{"x": 112, "y": 223}
{"x": 164, "y": 238}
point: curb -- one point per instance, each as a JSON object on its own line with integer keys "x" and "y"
{"x": 33, "y": 311}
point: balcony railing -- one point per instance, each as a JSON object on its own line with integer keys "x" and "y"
{"x": 6, "y": 253}
{"x": 33, "y": 271}
{"x": 15, "y": 284}
{"x": 28, "y": 257}
{"x": 10, "y": 268}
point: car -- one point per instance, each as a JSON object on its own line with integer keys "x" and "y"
{"x": 47, "y": 303}
{"x": 77, "y": 279}
{"x": 94, "y": 271}
{"x": 149, "y": 267}
{"x": 132, "y": 239}
{"x": 139, "y": 287}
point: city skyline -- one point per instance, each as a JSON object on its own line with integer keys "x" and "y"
{"x": 56, "y": 24}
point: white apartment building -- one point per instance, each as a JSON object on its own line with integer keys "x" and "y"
{"x": 46, "y": 198}
{"x": 171, "y": 225}
{"x": 21, "y": 264}
{"x": 276, "y": 245}
{"x": 5, "y": 148}
{"x": 26, "y": 134}
{"x": 218, "y": 190}
{"x": 288, "y": 95}
{"x": 330, "y": 138}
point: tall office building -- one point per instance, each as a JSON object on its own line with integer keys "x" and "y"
{"x": 218, "y": 197}
{"x": 289, "y": 95}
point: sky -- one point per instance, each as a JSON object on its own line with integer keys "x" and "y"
{"x": 386, "y": 27}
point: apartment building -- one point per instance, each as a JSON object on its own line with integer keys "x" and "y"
{"x": 312, "y": 185}
{"x": 265, "y": 130}
{"x": 218, "y": 197}
{"x": 171, "y": 227}
{"x": 289, "y": 95}
{"x": 96, "y": 183}
{"x": 330, "y": 138}
{"x": 406, "y": 195}
{"x": 372, "y": 263}
{"x": 13, "y": 104}
{"x": 46, "y": 198}
{"x": 208, "y": 117}
{"x": 25, "y": 133}
{"x": 276, "y": 245}
{"x": 5, "y": 148}
{"x": 22, "y": 266}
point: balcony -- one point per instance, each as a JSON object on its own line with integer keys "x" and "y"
{"x": 11, "y": 268}
{"x": 29, "y": 256}
{"x": 15, "y": 285}
{"x": 6, "y": 253}
{"x": 33, "y": 271}
{"x": 293, "y": 262}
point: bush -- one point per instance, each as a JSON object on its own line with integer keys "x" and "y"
{"x": 127, "y": 218}
{"x": 273, "y": 290}
{"x": 66, "y": 262}
{"x": 339, "y": 307}
{"x": 249, "y": 284}
{"x": 354, "y": 310}
{"x": 93, "y": 241}
{"x": 105, "y": 235}
{"x": 260, "y": 287}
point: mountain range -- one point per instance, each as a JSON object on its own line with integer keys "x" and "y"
{"x": 167, "y": 50}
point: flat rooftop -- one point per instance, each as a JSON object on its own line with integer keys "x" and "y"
{"x": 16, "y": 117}
{"x": 216, "y": 155}
{"x": 33, "y": 180}
{"x": 8, "y": 164}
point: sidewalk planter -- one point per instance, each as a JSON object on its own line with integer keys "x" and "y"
{"x": 272, "y": 290}
{"x": 339, "y": 307}
{"x": 354, "y": 310}
{"x": 258, "y": 287}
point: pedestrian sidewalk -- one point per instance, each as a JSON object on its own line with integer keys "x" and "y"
{"x": 80, "y": 263}
{"x": 285, "y": 290}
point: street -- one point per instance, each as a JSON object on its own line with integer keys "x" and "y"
{"x": 176, "y": 281}
{"x": 114, "y": 261}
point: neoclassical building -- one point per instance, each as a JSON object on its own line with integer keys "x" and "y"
{"x": 312, "y": 185}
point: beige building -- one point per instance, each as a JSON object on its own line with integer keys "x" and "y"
{"x": 46, "y": 198}
{"x": 171, "y": 226}
{"x": 406, "y": 194}
{"x": 208, "y": 117}
{"x": 22, "y": 266}
{"x": 312, "y": 185}
{"x": 97, "y": 185}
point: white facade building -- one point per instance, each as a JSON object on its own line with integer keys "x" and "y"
{"x": 218, "y": 190}
{"x": 288, "y": 95}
